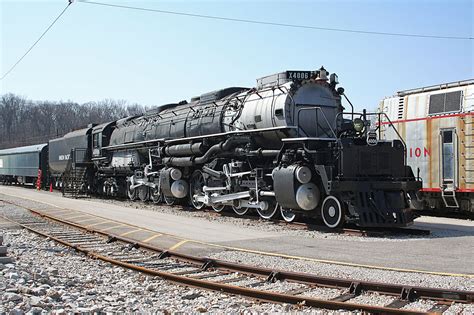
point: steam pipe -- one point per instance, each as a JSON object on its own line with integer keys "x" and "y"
{"x": 215, "y": 149}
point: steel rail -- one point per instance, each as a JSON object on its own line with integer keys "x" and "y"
{"x": 414, "y": 292}
{"x": 231, "y": 289}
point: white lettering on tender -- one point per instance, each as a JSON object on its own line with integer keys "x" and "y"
{"x": 64, "y": 157}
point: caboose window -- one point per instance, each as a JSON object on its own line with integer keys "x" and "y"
{"x": 448, "y": 136}
{"x": 445, "y": 102}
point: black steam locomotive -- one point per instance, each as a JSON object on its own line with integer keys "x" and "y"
{"x": 283, "y": 147}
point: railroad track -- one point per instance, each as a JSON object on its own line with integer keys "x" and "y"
{"x": 232, "y": 278}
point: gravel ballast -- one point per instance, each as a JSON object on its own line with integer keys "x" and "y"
{"x": 47, "y": 277}
{"x": 348, "y": 272}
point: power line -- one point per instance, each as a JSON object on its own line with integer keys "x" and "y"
{"x": 213, "y": 17}
{"x": 36, "y": 42}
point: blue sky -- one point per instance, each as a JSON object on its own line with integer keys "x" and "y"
{"x": 97, "y": 52}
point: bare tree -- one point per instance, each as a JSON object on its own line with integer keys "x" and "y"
{"x": 25, "y": 122}
{"x": 10, "y": 110}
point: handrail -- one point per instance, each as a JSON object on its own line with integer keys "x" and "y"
{"x": 391, "y": 125}
{"x": 379, "y": 114}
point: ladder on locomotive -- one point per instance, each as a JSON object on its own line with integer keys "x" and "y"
{"x": 75, "y": 181}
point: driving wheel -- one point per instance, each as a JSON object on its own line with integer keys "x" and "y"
{"x": 241, "y": 210}
{"x": 155, "y": 195}
{"x": 132, "y": 193}
{"x": 143, "y": 193}
{"x": 270, "y": 212}
{"x": 287, "y": 214}
{"x": 169, "y": 200}
{"x": 196, "y": 183}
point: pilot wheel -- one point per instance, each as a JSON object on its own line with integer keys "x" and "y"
{"x": 332, "y": 212}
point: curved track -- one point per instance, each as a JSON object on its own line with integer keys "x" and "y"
{"x": 244, "y": 280}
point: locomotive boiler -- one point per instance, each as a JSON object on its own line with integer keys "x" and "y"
{"x": 284, "y": 147}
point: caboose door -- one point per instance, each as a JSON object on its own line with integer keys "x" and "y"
{"x": 448, "y": 158}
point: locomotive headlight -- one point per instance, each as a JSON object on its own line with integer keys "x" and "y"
{"x": 358, "y": 124}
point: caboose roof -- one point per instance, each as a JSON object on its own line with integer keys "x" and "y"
{"x": 436, "y": 87}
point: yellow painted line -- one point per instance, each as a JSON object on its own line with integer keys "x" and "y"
{"x": 100, "y": 223}
{"x": 113, "y": 227}
{"x": 76, "y": 216}
{"x": 85, "y": 220}
{"x": 175, "y": 246}
{"x": 151, "y": 238}
{"x": 54, "y": 210}
{"x": 130, "y": 232}
{"x": 341, "y": 263}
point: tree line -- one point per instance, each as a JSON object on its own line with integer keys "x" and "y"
{"x": 27, "y": 122}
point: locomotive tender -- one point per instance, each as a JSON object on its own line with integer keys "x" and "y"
{"x": 437, "y": 123}
{"x": 283, "y": 147}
